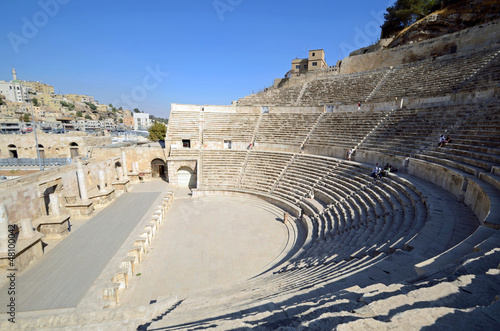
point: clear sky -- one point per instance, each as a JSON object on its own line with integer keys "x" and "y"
{"x": 149, "y": 54}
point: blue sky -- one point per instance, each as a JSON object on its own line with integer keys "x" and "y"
{"x": 149, "y": 54}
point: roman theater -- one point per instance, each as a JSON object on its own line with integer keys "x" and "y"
{"x": 251, "y": 217}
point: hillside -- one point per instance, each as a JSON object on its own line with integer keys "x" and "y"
{"x": 456, "y": 17}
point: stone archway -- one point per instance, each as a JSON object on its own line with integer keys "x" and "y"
{"x": 13, "y": 151}
{"x": 191, "y": 166}
{"x": 73, "y": 149}
{"x": 186, "y": 177}
{"x": 41, "y": 149}
{"x": 158, "y": 168}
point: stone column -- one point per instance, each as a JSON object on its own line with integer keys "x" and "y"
{"x": 102, "y": 181}
{"x": 119, "y": 171}
{"x": 4, "y": 230}
{"x": 54, "y": 204}
{"x": 109, "y": 176}
{"x": 26, "y": 229}
{"x": 81, "y": 181}
{"x": 124, "y": 164}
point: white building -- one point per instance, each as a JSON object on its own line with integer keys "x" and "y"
{"x": 141, "y": 122}
{"x": 15, "y": 90}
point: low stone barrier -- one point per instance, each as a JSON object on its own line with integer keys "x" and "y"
{"x": 126, "y": 270}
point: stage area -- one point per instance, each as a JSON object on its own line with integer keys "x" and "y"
{"x": 208, "y": 242}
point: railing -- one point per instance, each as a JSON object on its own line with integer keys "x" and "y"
{"x": 26, "y": 162}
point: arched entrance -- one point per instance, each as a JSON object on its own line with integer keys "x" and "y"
{"x": 158, "y": 168}
{"x": 41, "y": 149}
{"x": 73, "y": 149}
{"x": 186, "y": 177}
{"x": 13, "y": 151}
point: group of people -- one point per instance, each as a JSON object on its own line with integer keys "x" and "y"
{"x": 443, "y": 141}
{"x": 378, "y": 172}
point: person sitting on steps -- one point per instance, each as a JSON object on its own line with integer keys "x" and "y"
{"x": 443, "y": 141}
{"x": 377, "y": 172}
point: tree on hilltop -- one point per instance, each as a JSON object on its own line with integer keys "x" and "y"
{"x": 157, "y": 132}
{"x": 136, "y": 110}
{"x": 406, "y": 12}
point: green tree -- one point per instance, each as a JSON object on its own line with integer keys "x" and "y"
{"x": 68, "y": 105}
{"x": 79, "y": 113}
{"x": 157, "y": 132}
{"x": 26, "y": 117}
{"x": 406, "y": 12}
{"x": 121, "y": 120}
{"x": 35, "y": 102}
{"x": 88, "y": 117}
{"x": 2, "y": 99}
{"x": 121, "y": 108}
{"x": 101, "y": 118}
{"x": 91, "y": 106}
{"x": 136, "y": 110}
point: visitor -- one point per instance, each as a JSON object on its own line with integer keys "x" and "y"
{"x": 377, "y": 172}
{"x": 442, "y": 141}
{"x": 448, "y": 139}
{"x": 249, "y": 146}
{"x": 349, "y": 153}
{"x": 285, "y": 217}
{"x": 390, "y": 168}
{"x": 359, "y": 105}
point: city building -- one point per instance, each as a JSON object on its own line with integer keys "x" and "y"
{"x": 15, "y": 90}
{"x": 38, "y": 87}
{"x": 128, "y": 121}
{"x": 102, "y": 108}
{"x": 141, "y": 121}
{"x": 315, "y": 61}
{"x": 79, "y": 98}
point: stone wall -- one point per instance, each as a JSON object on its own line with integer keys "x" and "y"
{"x": 141, "y": 154}
{"x": 473, "y": 39}
{"x": 175, "y": 165}
{"x": 26, "y": 196}
{"x": 245, "y": 109}
{"x": 54, "y": 145}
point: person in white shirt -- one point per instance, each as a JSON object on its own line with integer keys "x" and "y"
{"x": 349, "y": 153}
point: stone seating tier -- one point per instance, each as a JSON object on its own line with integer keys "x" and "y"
{"x": 471, "y": 72}
{"x": 345, "y": 89}
{"x": 237, "y": 127}
{"x": 184, "y": 152}
{"x": 184, "y": 124}
{"x": 344, "y": 129}
{"x": 431, "y": 78}
{"x": 289, "y": 129}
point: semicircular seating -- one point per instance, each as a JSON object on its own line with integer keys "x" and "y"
{"x": 421, "y": 244}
